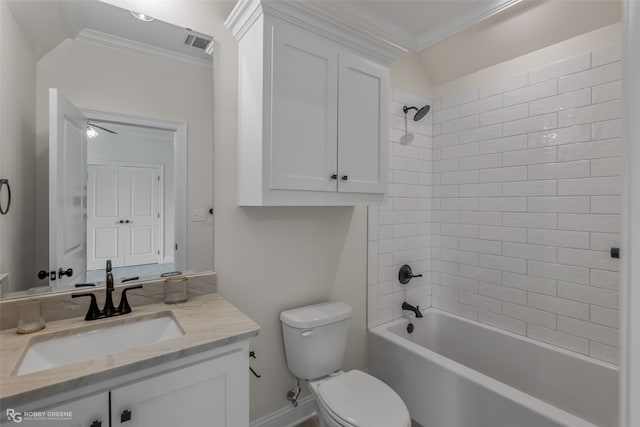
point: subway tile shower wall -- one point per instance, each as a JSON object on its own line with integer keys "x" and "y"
{"x": 509, "y": 195}
{"x": 400, "y": 230}
{"x": 526, "y": 202}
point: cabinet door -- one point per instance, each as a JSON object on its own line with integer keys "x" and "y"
{"x": 88, "y": 412}
{"x": 362, "y": 126}
{"x": 214, "y": 393}
{"x": 304, "y": 87}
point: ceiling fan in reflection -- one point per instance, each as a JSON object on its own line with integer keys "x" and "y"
{"x": 92, "y": 130}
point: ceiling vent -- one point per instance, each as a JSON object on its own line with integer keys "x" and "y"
{"x": 199, "y": 41}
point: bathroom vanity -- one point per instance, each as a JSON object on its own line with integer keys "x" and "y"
{"x": 198, "y": 376}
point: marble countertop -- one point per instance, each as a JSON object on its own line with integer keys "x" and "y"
{"x": 208, "y": 321}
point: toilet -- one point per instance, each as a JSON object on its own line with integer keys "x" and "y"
{"x": 315, "y": 338}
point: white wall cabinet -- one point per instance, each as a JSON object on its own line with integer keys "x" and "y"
{"x": 209, "y": 389}
{"x": 313, "y": 99}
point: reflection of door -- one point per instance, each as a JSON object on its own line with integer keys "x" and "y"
{"x": 123, "y": 216}
{"x": 67, "y": 186}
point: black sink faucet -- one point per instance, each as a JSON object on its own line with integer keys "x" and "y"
{"x": 416, "y": 309}
{"x": 109, "y": 310}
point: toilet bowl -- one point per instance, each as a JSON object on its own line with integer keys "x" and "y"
{"x": 357, "y": 399}
{"x": 315, "y": 339}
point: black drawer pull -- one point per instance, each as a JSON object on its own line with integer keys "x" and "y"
{"x": 96, "y": 423}
{"x": 345, "y": 177}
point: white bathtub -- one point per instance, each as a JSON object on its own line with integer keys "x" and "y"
{"x": 453, "y": 372}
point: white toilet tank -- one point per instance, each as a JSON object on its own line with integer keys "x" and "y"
{"x": 315, "y": 337}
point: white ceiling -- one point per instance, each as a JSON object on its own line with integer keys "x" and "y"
{"x": 46, "y": 23}
{"x": 413, "y": 24}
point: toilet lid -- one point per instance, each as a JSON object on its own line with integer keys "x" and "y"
{"x": 364, "y": 401}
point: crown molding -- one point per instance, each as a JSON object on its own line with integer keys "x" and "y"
{"x": 242, "y": 17}
{"x": 408, "y": 40}
{"x": 127, "y": 45}
{"x": 300, "y": 13}
{"x": 395, "y": 33}
{"x": 461, "y": 22}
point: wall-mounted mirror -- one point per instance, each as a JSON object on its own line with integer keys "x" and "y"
{"x": 107, "y": 141}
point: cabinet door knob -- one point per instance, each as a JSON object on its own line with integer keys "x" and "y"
{"x": 125, "y": 416}
{"x": 334, "y": 176}
{"x": 121, "y": 221}
{"x": 345, "y": 177}
{"x": 96, "y": 423}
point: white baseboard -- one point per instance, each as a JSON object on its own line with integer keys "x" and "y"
{"x": 289, "y": 416}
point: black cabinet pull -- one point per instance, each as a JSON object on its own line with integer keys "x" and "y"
{"x": 125, "y": 416}
{"x": 67, "y": 272}
{"x": 96, "y": 423}
{"x": 334, "y": 176}
{"x": 126, "y": 221}
{"x": 345, "y": 177}
{"x": 615, "y": 252}
{"x": 121, "y": 221}
{"x": 43, "y": 274}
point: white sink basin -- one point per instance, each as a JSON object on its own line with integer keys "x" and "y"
{"x": 100, "y": 341}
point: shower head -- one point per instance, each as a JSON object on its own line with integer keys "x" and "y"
{"x": 420, "y": 112}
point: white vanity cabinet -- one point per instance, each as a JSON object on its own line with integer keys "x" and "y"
{"x": 312, "y": 114}
{"x": 212, "y": 393}
{"x": 92, "y": 411}
{"x": 208, "y": 389}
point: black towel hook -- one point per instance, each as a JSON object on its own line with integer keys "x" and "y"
{"x": 4, "y": 182}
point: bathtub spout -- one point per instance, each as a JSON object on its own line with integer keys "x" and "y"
{"x": 416, "y": 309}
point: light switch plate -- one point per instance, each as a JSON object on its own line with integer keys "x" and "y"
{"x": 197, "y": 215}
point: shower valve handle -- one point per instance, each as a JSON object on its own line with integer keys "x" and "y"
{"x": 406, "y": 274}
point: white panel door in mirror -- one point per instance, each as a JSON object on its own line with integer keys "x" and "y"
{"x": 124, "y": 215}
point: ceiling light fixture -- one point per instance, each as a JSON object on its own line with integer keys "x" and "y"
{"x": 142, "y": 16}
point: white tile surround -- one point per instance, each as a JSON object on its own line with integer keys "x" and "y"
{"x": 399, "y": 231}
{"x": 525, "y": 206}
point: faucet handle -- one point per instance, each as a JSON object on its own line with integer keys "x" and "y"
{"x": 94, "y": 312}
{"x": 405, "y": 274}
{"x": 124, "y": 307}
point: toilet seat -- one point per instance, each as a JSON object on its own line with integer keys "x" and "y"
{"x": 357, "y": 399}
